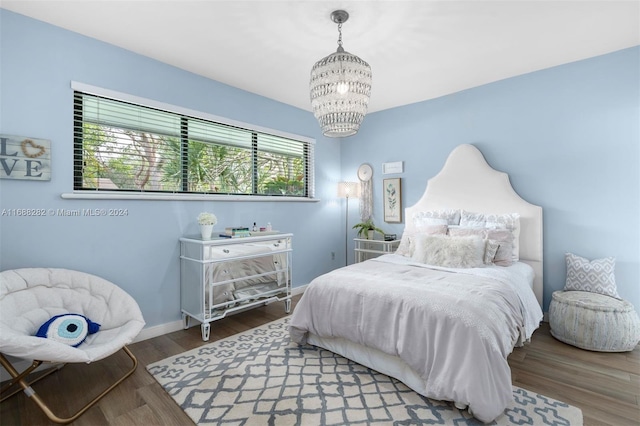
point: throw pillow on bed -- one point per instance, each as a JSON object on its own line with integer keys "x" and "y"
{"x": 596, "y": 276}
{"x": 450, "y": 252}
{"x": 490, "y": 250}
{"x": 407, "y": 242}
{"x": 510, "y": 221}
{"x": 436, "y": 217}
{"x": 503, "y": 255}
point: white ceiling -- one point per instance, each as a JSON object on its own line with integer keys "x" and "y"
{"x": 417, "y": 50}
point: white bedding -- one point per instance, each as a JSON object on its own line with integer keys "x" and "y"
{"x": 453, "y": 328}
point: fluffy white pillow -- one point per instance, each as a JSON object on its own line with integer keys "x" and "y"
{"x": 450, "y": 252}
{"x": 407, "y": 242}
{"x": 596, "y": 276}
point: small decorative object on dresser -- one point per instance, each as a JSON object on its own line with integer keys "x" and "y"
{"x": 589, "y": 313}
{"x": 206, "y": 221}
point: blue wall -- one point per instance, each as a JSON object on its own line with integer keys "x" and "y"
{"x": 568, "y": 137}
{"x": 139, "y": 252}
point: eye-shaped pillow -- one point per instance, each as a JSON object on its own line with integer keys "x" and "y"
{"x": 70, "y": 329}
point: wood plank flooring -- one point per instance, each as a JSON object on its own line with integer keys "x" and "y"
{"x": 606, "y": 386}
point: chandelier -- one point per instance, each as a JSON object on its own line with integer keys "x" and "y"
{"x": 340, "y": 87}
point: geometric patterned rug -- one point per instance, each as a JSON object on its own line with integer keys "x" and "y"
{"x": 259, "y": 378}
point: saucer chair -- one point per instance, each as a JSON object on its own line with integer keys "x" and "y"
{"x": 30, "y": 297}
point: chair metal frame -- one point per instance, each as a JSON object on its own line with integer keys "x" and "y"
{"x": 19, "y": 380}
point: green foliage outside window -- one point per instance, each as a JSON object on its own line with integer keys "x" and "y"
{"x": 120, "y": 157}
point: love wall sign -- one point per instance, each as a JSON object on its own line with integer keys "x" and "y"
{"x": 25, "y": 158}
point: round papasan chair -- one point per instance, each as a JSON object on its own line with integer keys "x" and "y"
{"x": 29, "y": 297}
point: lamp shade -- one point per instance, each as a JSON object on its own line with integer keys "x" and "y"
{"x": 348, "y": 189}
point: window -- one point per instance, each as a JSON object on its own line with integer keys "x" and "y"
{"x": 123, "y": 146}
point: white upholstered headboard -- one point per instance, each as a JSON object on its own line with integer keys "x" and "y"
{"x": 468, "y": 182}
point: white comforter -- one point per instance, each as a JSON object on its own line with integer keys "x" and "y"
{"x": 453, "y": 327}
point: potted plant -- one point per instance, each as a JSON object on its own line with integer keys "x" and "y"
{"x": 366, "y": 229}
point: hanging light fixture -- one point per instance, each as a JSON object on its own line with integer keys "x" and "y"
{"x": 340, "y": 88}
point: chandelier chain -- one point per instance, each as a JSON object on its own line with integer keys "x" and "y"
{"x": 340, "y": 34}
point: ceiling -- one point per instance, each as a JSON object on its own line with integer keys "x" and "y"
{"x": 417, "y": 50}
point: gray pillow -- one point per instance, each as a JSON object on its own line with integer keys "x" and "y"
{"x": 596, "y": 276}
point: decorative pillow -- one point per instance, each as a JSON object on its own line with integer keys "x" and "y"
{"x": 503, "y": 255}
{"x": 510, "y": 221}
{"x": 459, "y": 231}
{"x": 490, "y": 250}
{"x": 70, "y": 329}
{"x": 596, "y": 276}
{"x": 429, "y": 221}
{"x": 407, "y": 242}
{"x": 450, "y": 252}
{"x": 435, "y": 217}
{"x": 500, "y": 237}
{"x": 472, "y": 220}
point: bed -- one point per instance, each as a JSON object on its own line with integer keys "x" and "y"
{"x": 445, "y": 331}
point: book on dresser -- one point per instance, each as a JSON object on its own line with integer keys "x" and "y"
{"x": 236, "y": 232}
{"x": 240, "y": 232}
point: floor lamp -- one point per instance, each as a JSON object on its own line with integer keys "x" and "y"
{"x": 347, "y": 190}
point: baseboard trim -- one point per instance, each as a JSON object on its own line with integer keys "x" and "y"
{"x": 158, "y": 330}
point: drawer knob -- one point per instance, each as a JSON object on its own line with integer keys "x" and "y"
{"x": 225, "y": 250}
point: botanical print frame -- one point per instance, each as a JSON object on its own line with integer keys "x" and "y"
{"x": 392, "y": 196}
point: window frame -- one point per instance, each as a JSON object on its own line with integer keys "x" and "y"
{"x": 88, "y": 193}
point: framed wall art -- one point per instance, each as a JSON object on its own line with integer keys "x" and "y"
{"x": 392, "y": 197}
{"x": 26, "y": 158}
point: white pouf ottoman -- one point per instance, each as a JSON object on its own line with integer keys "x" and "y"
{"x": 594, "y": 321}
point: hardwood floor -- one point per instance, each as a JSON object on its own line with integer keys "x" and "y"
{"x": 606, "y": 386}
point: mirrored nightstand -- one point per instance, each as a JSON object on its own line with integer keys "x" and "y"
{"x": 368, "y": 249}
